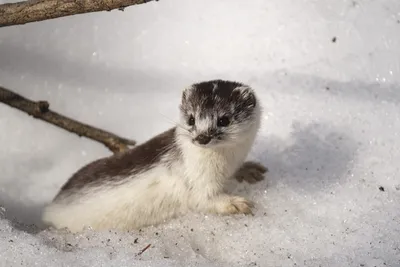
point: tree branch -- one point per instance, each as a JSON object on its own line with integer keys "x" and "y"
{"x": 40, "y": 110}
{"x": 37, "y": 10}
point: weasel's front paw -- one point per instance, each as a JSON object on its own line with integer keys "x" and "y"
{"x": 251, "y": 172}
{"x": 234, "y": 205}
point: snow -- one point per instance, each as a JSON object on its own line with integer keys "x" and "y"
{"x": 327, "y": 73}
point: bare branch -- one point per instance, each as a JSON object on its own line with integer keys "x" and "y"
{"x": 40, "y": 110}
{"x": 37, "y": 10}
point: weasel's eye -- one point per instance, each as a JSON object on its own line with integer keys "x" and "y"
{"x": 223, "y": 121}
{"x": 191, "y": 120}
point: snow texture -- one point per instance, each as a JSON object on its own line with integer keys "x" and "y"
{"x": 327, "y": 73}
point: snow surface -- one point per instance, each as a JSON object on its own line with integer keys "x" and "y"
{"x": 328, "y": 75}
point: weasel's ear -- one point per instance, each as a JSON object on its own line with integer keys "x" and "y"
{"x": 244, "y": 95}
{"x": 184, "y": 99}
{"x": 186, "y": 93}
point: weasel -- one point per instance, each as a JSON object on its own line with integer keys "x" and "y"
{"x": 182, "y": 169}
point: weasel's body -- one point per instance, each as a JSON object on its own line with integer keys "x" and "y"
{"x": 182, "y": 169}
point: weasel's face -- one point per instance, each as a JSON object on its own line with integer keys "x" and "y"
{"x": 218, "y": 113}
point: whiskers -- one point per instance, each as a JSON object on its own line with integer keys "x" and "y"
{"x": 185, "y": 133}
{"x": 174, "y": 123}
{"x": 183, "y": 128}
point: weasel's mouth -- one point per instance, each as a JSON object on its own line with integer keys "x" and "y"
{"x": 202, "y": 139}
{"x": 207, "y": 141}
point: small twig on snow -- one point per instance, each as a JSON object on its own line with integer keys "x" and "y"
{"x": 143, "y": 250}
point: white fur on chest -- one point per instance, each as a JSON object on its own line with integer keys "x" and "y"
{"x": 206, "y": 170}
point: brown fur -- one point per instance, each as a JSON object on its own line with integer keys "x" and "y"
{"x": 116, "y": 168}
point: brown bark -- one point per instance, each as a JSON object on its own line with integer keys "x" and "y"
{"x": 40, "y": 110}
{"x": 37, "y": 10}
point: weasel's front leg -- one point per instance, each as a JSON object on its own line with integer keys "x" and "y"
{"x": 251, "y": 172}
{"x": 226, "y": 204}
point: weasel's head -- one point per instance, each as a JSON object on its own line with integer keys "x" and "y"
{"x": 218, "y": 113}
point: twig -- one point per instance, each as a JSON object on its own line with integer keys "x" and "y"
{"x": 143, "y": 250}
{"x": 40, "y": 110}
{"x": 37, "y": 10}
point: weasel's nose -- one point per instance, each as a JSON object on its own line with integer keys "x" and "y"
{"x": 203, "y": 139}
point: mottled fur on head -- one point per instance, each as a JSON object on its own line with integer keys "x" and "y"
{"x": 218, "y": 113}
